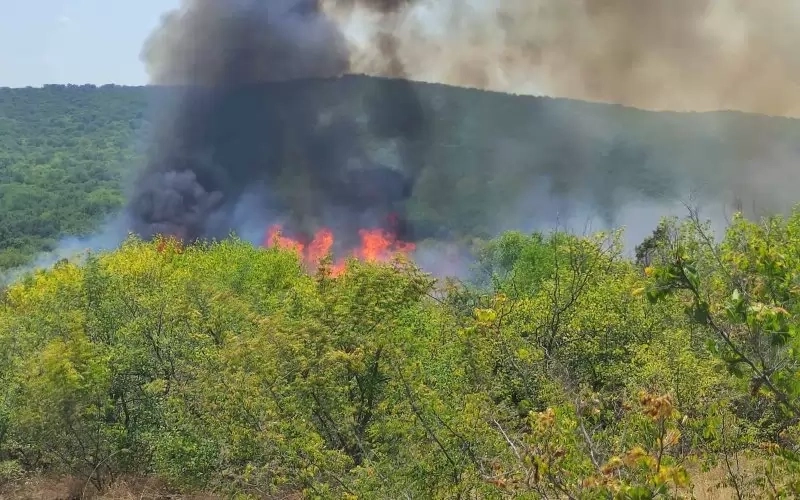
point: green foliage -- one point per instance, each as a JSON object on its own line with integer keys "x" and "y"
{"x": 743, "y": 293}
{"x": 10, "y": 472}
{"x": 229, "y": 368}
{"x": 64, "y": 151}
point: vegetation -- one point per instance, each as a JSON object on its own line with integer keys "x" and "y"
{"x": 63, "y": 150}
{"x": 563, "y": 371}
{"x": 67, "y": 151}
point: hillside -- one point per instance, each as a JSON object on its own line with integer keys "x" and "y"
{"x": 64, "y": 152}
{"x": 508, "y": 161}
{"x": 560, "y": 369}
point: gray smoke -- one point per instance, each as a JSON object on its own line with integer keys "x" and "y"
{"x": 111, "y": 233}
{"x": 653, "y": 54}
{"x": 250, "y": 127}
{"x": 255, "y": 123}
{"x": 245, "y": 103}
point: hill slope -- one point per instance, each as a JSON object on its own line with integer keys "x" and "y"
{"x": 506, "y": 161}
{"x": 63, "y": 151}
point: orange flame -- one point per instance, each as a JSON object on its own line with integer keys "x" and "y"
{"x": 377, "y": 245}
{"x": 276, "y": 238}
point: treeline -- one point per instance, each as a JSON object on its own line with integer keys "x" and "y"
{"x": 562, "y": 370}
{"x": 508, "y": 161}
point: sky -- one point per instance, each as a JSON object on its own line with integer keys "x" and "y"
{"x": 730, "y": 54}
{"x": 75, "y": 41}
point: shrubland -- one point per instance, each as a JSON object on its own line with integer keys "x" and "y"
{"x": 562, "y": 370}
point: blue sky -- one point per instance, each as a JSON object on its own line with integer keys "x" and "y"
{"x": 75, "y": 41}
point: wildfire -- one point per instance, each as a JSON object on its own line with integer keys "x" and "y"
{"x": 377, "y": 245}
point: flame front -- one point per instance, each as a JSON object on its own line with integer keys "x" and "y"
{"x": 377, "y": 245}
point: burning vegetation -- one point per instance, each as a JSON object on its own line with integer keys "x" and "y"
{"x": 375, "y": 245}
{"x": 249, "y": 132}
{"x": 257, "y": 126}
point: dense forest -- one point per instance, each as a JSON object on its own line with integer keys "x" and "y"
{"x": 562, "y": 370}
{"x": 559, "y": 366}
{"x": 67, "y": 153}
{"x": 64, "y": 151}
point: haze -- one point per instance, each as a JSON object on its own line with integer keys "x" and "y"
{"x": 76, "y": 41}
{"x": 653, "y": 54}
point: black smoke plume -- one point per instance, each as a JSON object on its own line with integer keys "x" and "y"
{"x": 245, "y": 109}
{"x": 256, "y": 124}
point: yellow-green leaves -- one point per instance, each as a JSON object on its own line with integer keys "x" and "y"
{"x": 485, "y": 315}
{"x": 743, "y": 291}
{"x": 229, "y": 367}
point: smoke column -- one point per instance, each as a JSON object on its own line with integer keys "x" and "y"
{"x": 250, "y": 128}
{"x": 679, "y": 55}
{"x": 653, "y": 54}
{"x": 243, "y": 112}
{"x": 254, "y": 123}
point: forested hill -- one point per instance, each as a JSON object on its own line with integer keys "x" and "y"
{"x": 562, "y": 370}
{"x": 66, "y": 150}
{"x": 63, "y": 152}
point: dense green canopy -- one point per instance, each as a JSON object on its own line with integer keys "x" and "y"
{"x": 230, "y": 369}
{"x": 560, "y": 369}
{"x": 66, "y": 153}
